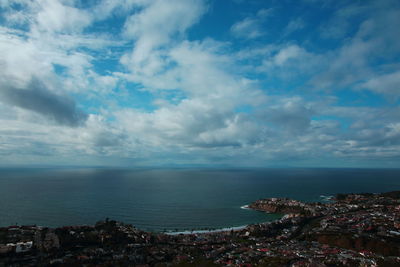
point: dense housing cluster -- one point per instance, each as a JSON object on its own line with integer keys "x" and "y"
{"x": 354, "y": 230}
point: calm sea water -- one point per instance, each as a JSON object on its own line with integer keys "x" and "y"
{"x": 169, "y": 199}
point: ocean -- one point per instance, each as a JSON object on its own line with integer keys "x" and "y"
{"x": 169, "y": 199}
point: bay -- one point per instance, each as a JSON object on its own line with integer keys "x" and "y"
{"x": 169, "y": 199}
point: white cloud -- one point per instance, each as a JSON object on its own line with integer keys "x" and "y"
{"x": 53, "y": 38}
{"x": 358, "y": 57}
{"x": 55, "y": 16}
{"x": 158, "y": 24}
{"x": 288, "y": 62}
{"x": 387, "y": 84}
{"x": 251, "y": 27}
{"x": 247, "y": 28}
{"x": 106, "y": 8}
{"x": 288, "y": 53}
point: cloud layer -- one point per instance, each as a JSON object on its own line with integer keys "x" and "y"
{"x": 150, "y": 83}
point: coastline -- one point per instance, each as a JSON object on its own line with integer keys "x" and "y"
{"x": 218, "y": 230}
{"x": 211, "y": 231}
{"x": 355, "y": 230}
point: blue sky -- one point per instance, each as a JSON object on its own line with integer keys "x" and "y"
{"x": 256, "y": 83}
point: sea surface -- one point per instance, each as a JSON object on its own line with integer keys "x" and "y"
{"x": 171, "y": 200}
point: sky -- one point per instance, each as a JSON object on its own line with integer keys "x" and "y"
{"x": 236, "y": 83}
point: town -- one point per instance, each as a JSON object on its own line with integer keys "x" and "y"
{"x": 349, "y": 230}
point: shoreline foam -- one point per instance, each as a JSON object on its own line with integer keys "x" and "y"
{"x": 219, "y": 230}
